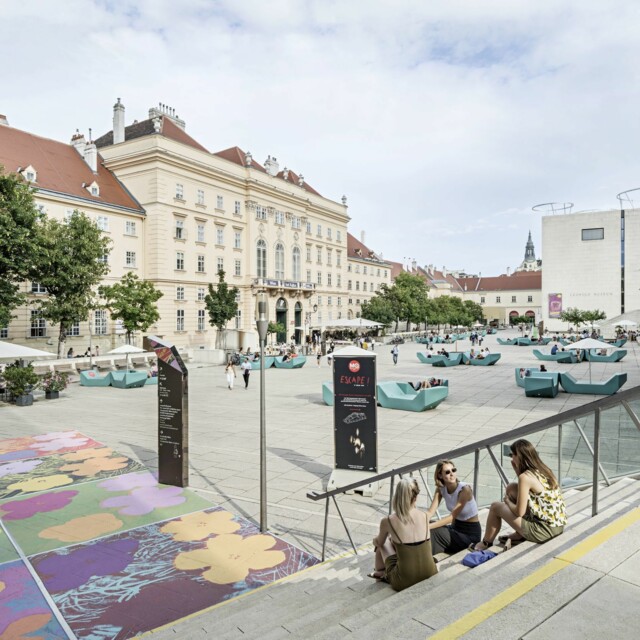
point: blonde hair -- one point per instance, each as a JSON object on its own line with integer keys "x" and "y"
{"x": 404, "y": 498}
{"x": 436, "y": 475}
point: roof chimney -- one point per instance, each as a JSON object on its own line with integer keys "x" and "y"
{"x": 508, "y": 271}
{"x": 3, "y": 120}
{"x": 91, "y": 154}
{"x": 248, "y": 159}
{"x": 414, "y": 264}
{"x": 78, "y": 142}
{"x": 301, "y": 180}
{"x": 444, "y": 271}
{"x": 271, "y": 166}
{"x": 163, "y": 110}
{"x": 362, "y": 237}
{"x": 344, "y": 200}
{"x": 118, "y": 122}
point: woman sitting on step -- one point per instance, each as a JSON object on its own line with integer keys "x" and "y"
{"x": 457, "y": 531}
{"x": 534, "y": 507}
{"x": 403, "y": 551}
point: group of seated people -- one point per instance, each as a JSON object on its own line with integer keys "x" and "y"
{"x": 481, "y": 355}
{"x": 426, "y": 384}
{"x": 408, "y": 539}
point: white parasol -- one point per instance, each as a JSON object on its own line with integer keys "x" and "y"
{"x": 13, "y": 351}
{"x": 127, "y": 349}
{"x": 626, "y": 323}
{"x": 591, "y": 343}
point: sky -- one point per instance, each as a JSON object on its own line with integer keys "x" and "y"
{"x": 443, "y": 121}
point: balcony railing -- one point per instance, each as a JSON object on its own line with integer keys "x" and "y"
{"x": 272, "y": 283}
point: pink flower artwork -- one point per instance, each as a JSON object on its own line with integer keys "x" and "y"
{"x": 22, "y": 509}
{"x": 19, "y": 466}
{"x": 71, "y": 440}
{"x": 144, "y": 500}
{"x": 129, "y": 481}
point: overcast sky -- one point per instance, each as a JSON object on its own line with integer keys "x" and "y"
{"x": 442, "y": 121}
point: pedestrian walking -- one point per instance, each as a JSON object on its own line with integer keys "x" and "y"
{"x": 246, "y": 371}
{"x": 394, "y": 353}
{"x": 230, "y": 372}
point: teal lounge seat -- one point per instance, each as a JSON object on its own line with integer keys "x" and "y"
{"x": 401, "y": 395}
{"x": 532, "y": 373}
{"x": 617, "y": 343}
{"x": 327, "y": 393}
{"x": 606, "y": 388}
{"x": 615, "y": 356}
{"x": 525, "y": 342}
{"x": 453, "y": 360}
{"x": 151, "y": 380}
{"x": 423, "y": 357}
{"x": 269, "y": 361}
{"x": 294, "y": 363}
{"x": 487, "y": 361}
{"x": 566, "y": 357}
{"x": 537, "y": 386}
{"x": 128, "y": 379}
{"x": 511, "y": 343}
{"x": 93, "y": 379}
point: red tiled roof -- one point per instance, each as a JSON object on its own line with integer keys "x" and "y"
{"x": 396, "y": 269}
{"x": 60, "y": 168}
{"x": 526, "y": 280}
{"x": 355, "y": 249}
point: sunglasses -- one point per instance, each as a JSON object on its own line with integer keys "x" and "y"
{"x": 450, "y": 471}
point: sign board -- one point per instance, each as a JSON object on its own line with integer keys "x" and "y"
{"x": 555, "y": 305}
{"x": 173, "y": 413}
{"x": 355, "y": 413}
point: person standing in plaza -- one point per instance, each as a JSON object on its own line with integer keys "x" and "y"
{"x": 230, "y": 372}
{"x": 394, "y": 353}
{"x": 246, "y": 371}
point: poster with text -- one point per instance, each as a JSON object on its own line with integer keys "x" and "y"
{"x": 555, "y": 305}
{"x": 355, "y": 413}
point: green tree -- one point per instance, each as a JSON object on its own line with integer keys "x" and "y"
{"x": 406, "y": 300}
{"x": 70, "y": 266}
{"x": 593, "y": 316}
{"x": 20, "y": 232}
{"x": 378, "y": 309}
{"x": 275, "y": 327}
{"x": 573, "y": 316}
{"x": 133, "y": 301}
{"x": 474, "y": 310}
{"x": 520, "y": 320}
{"x": 222, "y": 305}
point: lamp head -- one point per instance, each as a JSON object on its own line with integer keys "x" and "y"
{"x": 261, "y": 306}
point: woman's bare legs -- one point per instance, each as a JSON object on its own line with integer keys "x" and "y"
{"x": 498, "y": 512}
{"x": 382, "y": 553}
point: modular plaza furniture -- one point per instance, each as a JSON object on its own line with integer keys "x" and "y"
{"x": 510, "y": 342}
{"x": 451, "y": 360}
{"x": 606, "y": 388}
{"x": 617, "y": 343}
{"x": 118, "y": 379}
{"x": 485, "y": 361}
{"x": 401, "y": 395}
{"x": 542, "y": 384}
{"x": 565, "y": 357}
{"x": 615, "y": 356}
{"x": 292, "y": 363}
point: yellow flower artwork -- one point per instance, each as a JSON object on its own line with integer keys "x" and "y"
{"x": 94, "y": 466}
{"x": 200, "y": 525}
{"x": 228, "y": 558}
{"x": 84, "y": 528}
{"x": 3, "y": 586}
{"x": 85, "y": 454}
{"x": 41, "y": 484}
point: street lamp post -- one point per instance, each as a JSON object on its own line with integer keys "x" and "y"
{"x": 308, "y": 318}
{"x": 262, "y": 323}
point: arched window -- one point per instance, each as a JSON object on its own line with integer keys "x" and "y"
{"x": 261, "y": 259}
{"x": 296, "y": 263}
{"x": 279, "y": 261}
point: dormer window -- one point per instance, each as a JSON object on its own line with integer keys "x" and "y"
{"x": 29, "y": 174}
{"x": 92, "y": 188}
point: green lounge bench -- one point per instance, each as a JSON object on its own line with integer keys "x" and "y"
{"x": 151, "y": 380}
{"x": 128, "y": 379}
{"x": 616, "y": 356}
{"x": 327, "y": 393}
{"x": 269, "y": 361}
{"x": 293, "y": 363}
{"x": 487, "y": 361}
{"x": 453, "y": 360}
{"x": 617, "y": 343}
{"x": 427, "y": 359}
{"x": 606, "y": 388}
{"x": 565, "y": 357}
{"x": 532, "y": 373}
{"x": 93, "y": 379}
{"x": 401, "y": 395}
{"x": 511, "y": 342}
{"x": 537, "y": 386}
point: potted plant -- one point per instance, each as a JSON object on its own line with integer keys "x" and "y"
{"x": 53, "y": 383}
{"x": 20, "y": 382}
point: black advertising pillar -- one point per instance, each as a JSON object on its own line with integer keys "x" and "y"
{"x": 355, "y": 413}
{"x": 173, "y": 413}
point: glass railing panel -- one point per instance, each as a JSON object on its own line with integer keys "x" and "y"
{"x": 619, "y": 441}
{"x": 577, "y": 460}
{"x": 490, "y": 486}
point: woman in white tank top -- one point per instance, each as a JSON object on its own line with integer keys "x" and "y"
{"x": 461, "y": 528}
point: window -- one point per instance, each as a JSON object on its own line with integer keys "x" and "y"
{"x": 308, "y": 275}
{"x": 295, "y": 263}
{"x": 319, "y": 301}
{"x": 95, "y": 190}
{"x": 237, "y": 240}
{"x": 179, "y": 192}
{"x": 329, "y": 255}
{"x": 201, "y": 294}
{"x": 36, "y": 287}
{"x": 357, "y": 268}
{"x": 201, "y": 320}
{"x": 308, "y": 253}
{"x": 102, "y": 222}
{"x": 237, "y": 208}
{"x": 319, "y": 256}
{"x": 364, "y": 286}
{"x": 279, "y": 217}
{"x": 328, "y": 233}
{"x": 219, "y": 235}
{"x": 350, "y": 300}
{"x": 67, "y": 217}
{"x": 38, "y": 324}
{"x": 338, "y": 236}
{"x": 513, "y": 298}
{"x": 482, "y": 300}
{"x": 308, "y": 227}
{"x": 338, "y": 280}
{"x": 349, "y": 268}
{"x": 328, "y": 279}
{"x": 180, "y": 234}
{"x": 319, "y": 231}
{"x": 357, "y": 285}
{"x": 279, "y": 261}
{"x": 329, "y": 300}
{"x": 180, "y": 260}
{"x": 238, "y": 268}
{"x": 261, "y": 212}
{"x": 593, "y": 234}
{"x": 200, "y": 233}
{"x": 130, "y": 259}
{"x": 104, "y": 258}
{"x": 339, "y": 259}
{"x": 100, "y": 322}
{"x": 378, "y": 273}
{"x": 239, "y": 319}
{"x": 219, "y": 202}
{"x": 4, "y": 332}
{"x": 349, "y": 285}
{"x": 200, "y": 263}
{"x": 261, "y": 259}
{"x": 529, "y": 298}
{"x": 295, "y": 222}
{"x": 497, "y": 298}
{"x": 364, "y": 270}
{"x": 130, "y": 228}
{"x": 179, "y": 293}
{"x": 30, "y": 175}
{"x": 74, "y": 329}
{"x": 180, "y": 320}
{"x": 220, "y": 265}
{"x": 200, "y": 197}
{"x": 319, "y": 277}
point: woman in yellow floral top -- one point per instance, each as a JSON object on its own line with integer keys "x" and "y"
{"x": 533, "y": 507}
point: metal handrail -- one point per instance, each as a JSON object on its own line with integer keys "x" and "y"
{"x": 594, "y": 408}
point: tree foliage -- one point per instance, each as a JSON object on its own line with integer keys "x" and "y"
{"x": 576, "y": 317}
{"x": 133, "y": 301}
{"x": 520, "y": 320}
{"x": 20, "y": 232}
{"x": 222, "y": 305}
{"x": 70, "y": 266}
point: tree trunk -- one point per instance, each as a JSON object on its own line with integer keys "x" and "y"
{"x": 62, "y": 338}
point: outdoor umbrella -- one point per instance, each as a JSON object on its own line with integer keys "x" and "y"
{"x": 591, "y": 343}
{"x": 12, "y": 351}
{"x": 128, "y": 349}
{"x": 626, "y": 323}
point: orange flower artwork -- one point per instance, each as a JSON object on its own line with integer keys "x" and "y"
{"x": 229, "y": 558}
{"x": 85, "y": 454}
{"x": 23, "y": 628}
{"x": 200, "y": 525}
{"x": 81, "y": 529}
{"x": 41, "y": 484}
{"x": 93, "y": 466}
